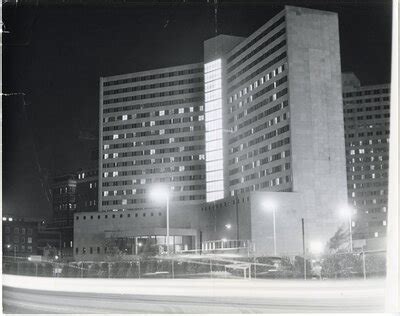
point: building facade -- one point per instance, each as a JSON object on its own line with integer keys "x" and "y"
{"x": 87, "y": 190}
{"x": 151, "y": 131}
{"x": 259, "y": 122}
{"x": 20, "y": 236}
{"x": 367, "y": 116}
{"x": 274, "y": 121}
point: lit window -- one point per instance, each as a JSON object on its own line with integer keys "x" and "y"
{"x": 162, "y": 113}
{"x": 181, "y": 110}
{"x": 384, "y": 223}
{"x": 376, "y": 234}
{"x": 115, "y": 136}
{"x": 124, "y": 117}
{"x": 83, "y": 175}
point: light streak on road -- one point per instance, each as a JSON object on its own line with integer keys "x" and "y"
{"x": 188, "y": 296}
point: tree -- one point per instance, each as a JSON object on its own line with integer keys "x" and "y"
{"x": 339, "y": 240}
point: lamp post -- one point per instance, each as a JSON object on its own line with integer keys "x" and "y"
{"x": 162, "y": 193}
{"x": 270, "y": 205}
{"x": 347, "y": 212}
{"x": 15, "y": 251}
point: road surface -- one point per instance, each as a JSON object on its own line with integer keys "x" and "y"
{"x": 81, "y": 296}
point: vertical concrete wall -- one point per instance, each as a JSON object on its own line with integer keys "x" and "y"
{"x": 317, "y": 132}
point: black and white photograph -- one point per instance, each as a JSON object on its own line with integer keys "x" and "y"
{"x": 199, "y": 157}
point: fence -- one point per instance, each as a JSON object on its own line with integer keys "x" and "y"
{"x": 344, "y": 265}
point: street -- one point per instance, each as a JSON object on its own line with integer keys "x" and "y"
{"x": 48, "y": 295}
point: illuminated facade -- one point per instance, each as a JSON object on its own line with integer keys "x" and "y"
{"x": 151, "y": 131}
{"x": 214, "y": 130}
{"x": 367, "y": 115}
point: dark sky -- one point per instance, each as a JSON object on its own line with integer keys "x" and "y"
{"x": 55, "y": 54}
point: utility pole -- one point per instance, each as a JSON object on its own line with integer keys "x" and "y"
{"x": 304, "y": 249}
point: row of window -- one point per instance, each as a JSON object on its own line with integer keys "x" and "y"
{"x": 257, "y": 163}
{"x": 153, "y": 95}
{"x": 176, "y": 198}
{"x": 178, "y": 130}
{"x": 369, "y": 202}
{"x": 154, "y": 86}
{"x": 365, "y": 159}
{"x": 366, "y": 142}
{"x": 367, "y": 117}
{"x": 154, "y": 151}
{"x": 124, "y": 173}
{"x": 363, "y": 185}
{"x": 365, "y": 92}
{"x": 19, "y": 239}
{"x": 371, "y": 133}
{"x": 151, "y": 180}
{"x": 155, "y": 142}
{"x": 152, "y": 162}
{"x": 367, "y": 176}
{"x": 191, "y": 128}
{"x": 20, "y": 248}
{"x": 363, "y": 167}
{"x": 368, "y": 108}
{"x": 368, "y": 193}
{"x": 366, "y": 151}
{"x": 153, "y": 77}
{"x": 112, "y": 216}
{"x": 161, "y": 104}
{"x": 66, "y": 206}
{"x": 159, "y": 113}
{"x": 17, "y": 230}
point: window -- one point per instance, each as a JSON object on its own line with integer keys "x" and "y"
{"x": 16, "y": 230}
{"x": 29, "y": 240}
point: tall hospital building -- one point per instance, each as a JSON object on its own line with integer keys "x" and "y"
{"x": 256, "y": 127}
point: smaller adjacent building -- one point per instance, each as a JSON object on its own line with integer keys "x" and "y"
{"x": 261, "y": 222}
{"x": 20, "y": 236}
{"x": 72, "y": 193}
{"x": 87, "y": 190}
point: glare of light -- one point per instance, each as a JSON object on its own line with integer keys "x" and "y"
{"x": 8, "y": 246}
{"x": 140, "y": 244}
{"x": 159, "y": 193}
{"x": 10, "y": 219}
{"x": 56, "y": 257}
{"x": 29, "y": 258}
{"x": 269, "y": 205}
{"x": 228, "y": 226}
{"x": 346, "y": 211}
{"x": 224, "y": 239}
{"x": 316, "y": 247}
{"x": 4, "y": 218}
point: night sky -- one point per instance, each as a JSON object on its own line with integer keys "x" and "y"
{"x": 55, "y": 54}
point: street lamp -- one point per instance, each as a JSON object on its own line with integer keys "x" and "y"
{"x": 161, "y": 193}
{"x": 271, "y": 205}
{"x": 15, "y": 251}
{"x": 316, "y": 247}
{"x": 347, "y": 212}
